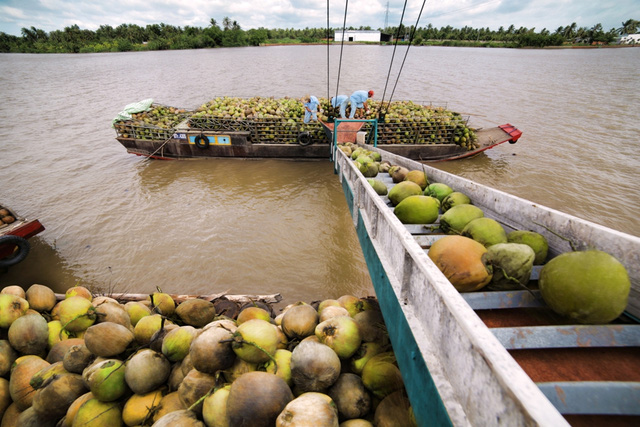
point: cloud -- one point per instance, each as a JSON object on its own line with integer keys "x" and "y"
{"x": 52, "y": 15}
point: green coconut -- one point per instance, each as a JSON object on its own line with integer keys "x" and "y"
{"x": 369, "y": 170}
{"x": 402, "y": 190}
{"x": 536, "y": 241}
{"x": 589, "y": 287}
{"x": 438, "y": 190}
{"x": 512, "y": 264}
{"x": 11, "y": 308}
{"x": 454, "y": 199}
{"x": 381, "y": 375}
{"x": 379, "y": 186}
{"x": 176, "y": 344}
{"x": 417, "y": 210}
{"x": 486, "y": 231}
{"x": 456, "y": 218}
{"x": 76, "y": 313}
{"x": 106, "y": 380}
{"x": 98, "y": 413}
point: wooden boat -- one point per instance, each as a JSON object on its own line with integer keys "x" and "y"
{"x": 14, "y": 246}
{"x": 197, "y": 136}
{"x": 495, "y": 358}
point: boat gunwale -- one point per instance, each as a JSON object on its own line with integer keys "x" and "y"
{"x": 476, "y": 350}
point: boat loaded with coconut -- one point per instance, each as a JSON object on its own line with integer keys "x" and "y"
{"x": 501, "y": 311}
{"x": 14, "y": 232}
{"x": 266, "y": 127}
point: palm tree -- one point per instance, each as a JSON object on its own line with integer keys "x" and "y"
{"x": 629, "y": 27}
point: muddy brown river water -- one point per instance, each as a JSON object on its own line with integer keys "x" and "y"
{"x": 119, "y": 222}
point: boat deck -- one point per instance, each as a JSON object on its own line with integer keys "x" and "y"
{"x": 495, "y": 358}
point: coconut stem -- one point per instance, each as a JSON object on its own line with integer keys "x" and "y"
{"x": 197, "y": 402}
{"x": 573, "y": 246}
{"x": 516, "y": 281}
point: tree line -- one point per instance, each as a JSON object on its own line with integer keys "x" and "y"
{"x": 132, "y": 37}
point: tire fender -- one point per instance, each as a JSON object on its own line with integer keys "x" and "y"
{"x": 23, "y": 249}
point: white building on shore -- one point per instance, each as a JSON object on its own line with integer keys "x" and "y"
{"x": 359, "y": 36}
{"x": 630, "y": 39}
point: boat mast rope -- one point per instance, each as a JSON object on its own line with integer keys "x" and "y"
{"x": 411, "y": 37}
{"x": 344, "y": 23}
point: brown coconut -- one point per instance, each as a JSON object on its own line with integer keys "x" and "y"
{"x": 7, "y": 356}
{"x": 108, "y": 339}
{"x": 57, "y": 352}
{"x": 77, "y": 358}
{"x": 41, "y": 298}
{"x": 10, "y": 417}
{"x": 21, "y": 391}
{"x": 30, "y": 418}
{"x": 29, "y": 334}
{"x": 299, "y": 321}
{"x": 5, "y": 396}
{"x": 146, "y": 371}
{"x": 182, "y": 418}
{"x": 196, "y": 312}
{"x": 113, "y": 312}
{"x": 208, "y": 354}
{"x": 169, "y": 403}
{"x": 14, "y": 290}
{"x": 175, "y": 377}
{"x": 256, "y": 399}
{"x": 57, "y": 394}
{"x": 195, "y": 385}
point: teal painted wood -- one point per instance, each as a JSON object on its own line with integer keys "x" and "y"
{"x": 348, "y": 194}
{"x": 426, "y": 402}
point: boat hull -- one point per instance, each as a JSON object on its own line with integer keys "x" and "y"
{"x": 213, "y": 144}
{"x": 22, "y": 228}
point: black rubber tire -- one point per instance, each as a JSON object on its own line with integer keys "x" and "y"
{"x": 23, "y": 250}
{"x": 304, "y": 138}
{"x": 201, "y": 141}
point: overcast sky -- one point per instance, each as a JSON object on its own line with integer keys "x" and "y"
{"x": 52, "y": 15}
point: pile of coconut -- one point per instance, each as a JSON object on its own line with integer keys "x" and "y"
{"x": 83, "y": 360}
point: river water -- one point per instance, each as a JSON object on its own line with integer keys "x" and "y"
{"x": 118, "y": 222}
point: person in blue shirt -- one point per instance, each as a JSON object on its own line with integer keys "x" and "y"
{"x": 310, "y": 108}
{"x": 342, "y": 101}
{"x": 359, "y": 100}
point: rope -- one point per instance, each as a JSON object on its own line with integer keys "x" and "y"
{"x": 328, "y": 56}
{"x": 392, "y": 56}
{"x": 411, "y": 35}
{"x": 344, "y": 24}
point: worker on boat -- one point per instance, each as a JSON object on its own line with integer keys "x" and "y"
{"x": 342, "y": 101}
{"x": 310, "y": 108}
{"x": 359, "y": 100}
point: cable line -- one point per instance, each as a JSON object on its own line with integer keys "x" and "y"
{"x": 344, "y": 24}
{"x": 328, "y": 56}
{"x": 411, "y": 35}
{"x": 393, "y": 55}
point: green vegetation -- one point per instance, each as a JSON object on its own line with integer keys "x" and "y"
{"x": 131, "y": 37}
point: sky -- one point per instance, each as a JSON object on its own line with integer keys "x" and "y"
{"x": 49, "y": 15}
